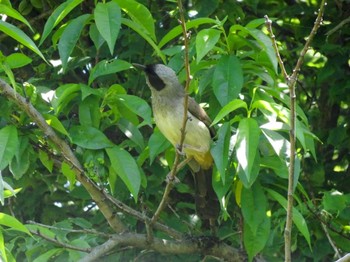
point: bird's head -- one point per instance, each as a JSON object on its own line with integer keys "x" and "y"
{"x": 159, "y": 77}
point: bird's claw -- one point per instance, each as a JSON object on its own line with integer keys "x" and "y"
{"x": 172, "y": 179}
{"x": 179, "y": 149}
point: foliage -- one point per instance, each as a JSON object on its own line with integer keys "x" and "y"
{"x": 72, "y": 61}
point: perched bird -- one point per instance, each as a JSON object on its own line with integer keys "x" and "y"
{"x": 168, "y": 109}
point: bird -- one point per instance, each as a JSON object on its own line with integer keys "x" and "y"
{"x": 168, "y": 110}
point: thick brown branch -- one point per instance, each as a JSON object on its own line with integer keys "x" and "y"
{"x": 202, "y": 245}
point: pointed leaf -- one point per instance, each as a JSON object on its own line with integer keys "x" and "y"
{"x": 157, "y": 144}
{"x": 9, "y": 11}
{"x": 21, "y": 37}
{"x": 58, "y": 14}
{"x": 298, "y": 218}
{"x": 232, "y": 106}
{"x": 8, "y": 145}
{"x": 220, "y": 150}
{"x": 227, "y": 79}
{"x": 247, "y": 144}
{"x": 13, "y": 223}
{"x": 125, "y": 166}
{"x": 253, "y": 206}
{"x": 89, "y": 137}
{"x": 70, "y": 38}
{"x": 108, "y": 20}
{"x": 106, "y": 67}
{"x": 205, "y": 41}
{"x": 139, "y": 14}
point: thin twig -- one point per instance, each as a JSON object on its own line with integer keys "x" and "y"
{"x": 291, "y": 81}
{"x": 59, "y": 243}
{"x": 176, "y": 166}
{"x": 84, "y": 231}
{"x": 167, "y": 190}
{"x": 330, "y": 240}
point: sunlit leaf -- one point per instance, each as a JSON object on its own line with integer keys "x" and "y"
{"x": 13, "y": 223}
{"x": 227, "y": 79}
{"x": 230, "y": 107}
{"x": 206, "y": 39}
{"x": 247, "y": 144}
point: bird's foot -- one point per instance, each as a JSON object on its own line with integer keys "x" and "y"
{"x": 179, "y": 149}
{"x": 172, "y": 179}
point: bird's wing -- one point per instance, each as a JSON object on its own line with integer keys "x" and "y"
{"x": 199, "y": 113}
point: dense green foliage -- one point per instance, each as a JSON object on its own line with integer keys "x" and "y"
{"x": 72, "y": 61}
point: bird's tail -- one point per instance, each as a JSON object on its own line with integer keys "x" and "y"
{"x": 207, "y": 203}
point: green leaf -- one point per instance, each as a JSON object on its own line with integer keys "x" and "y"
{"x": 220, "y": 150}
{"x": 89, "y": 137}
{"x": 20, "y": 36}
{"x": 176, "y": 31}
{"x": 276, "y": 164}
{"x": 17, "y": 60}
{"x": 95, "y": 36}
{"x": 137, "y": 105}
{"x": 48, "y": 255}
{"x": 206, "y": 39}
{"x": 278, "y": 142}
{"x": 253, "y": 206}
{"x": 56, "y": 124}
{"x": 108, "y": 21}
{"x": 2, "y": 247}
{"x": 9, "y": 11}
{"x": 232, "y": 106}
{"x": 125, "y": 166}
{"x": 63, "y": 95}
{"x": 20, "y": 164}
{"x": 45, "y": 160}
{"x": 69, "y": 38}
{"x": 298, "y": 218}
{"x": 139, "y": 29}
{"x": 247, "y": 144}
{"x": 8, "y": 145}
{"x": 132, "y": 132}
{"x": 227, "y": 79}
{"x": 13, "y": 223}
{"x": 139, "y": 14}
{"x": 249, "y": 179}
{"x": 57, "y": 15}
{"x": 69, "y": 173}
{"x": 334, "y": 201}
{"x": 106, "y": 67}
{"x": 255, "y": 242}
{"x": 157, "y": 144}
{"x": 89, "y": 112}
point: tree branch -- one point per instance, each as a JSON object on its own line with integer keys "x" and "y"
{"x": 291, "y": 81}
{"x": 59, "y": 243}
{"x": 68, "y": 155}
{"x": 203, "y": 245}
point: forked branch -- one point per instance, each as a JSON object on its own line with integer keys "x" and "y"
{"x": 291, "y": 81}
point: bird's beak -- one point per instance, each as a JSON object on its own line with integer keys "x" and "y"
{"x": 139, "y": 66}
